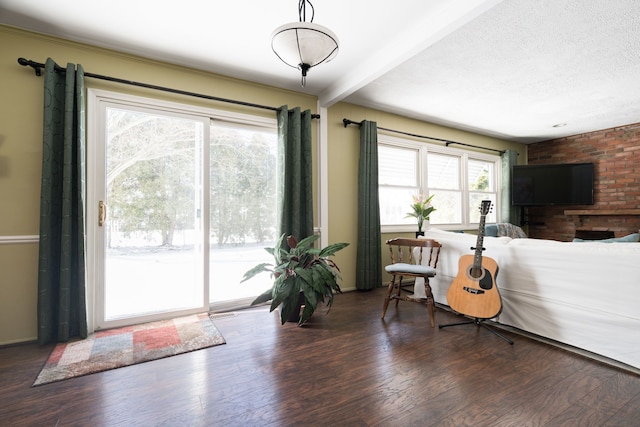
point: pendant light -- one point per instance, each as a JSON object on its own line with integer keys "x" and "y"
{"x": 302, "y": 44}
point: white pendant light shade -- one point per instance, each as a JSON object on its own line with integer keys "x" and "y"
{"x": 304, "y": 43}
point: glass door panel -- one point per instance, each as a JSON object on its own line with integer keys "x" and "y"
{"x": 153, "y": 245}
{"x": 242, "y": 209}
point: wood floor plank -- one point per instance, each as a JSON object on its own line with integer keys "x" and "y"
{"x": 347, "y": 368}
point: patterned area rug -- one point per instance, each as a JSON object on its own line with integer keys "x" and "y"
{"x": 115, "y": 348}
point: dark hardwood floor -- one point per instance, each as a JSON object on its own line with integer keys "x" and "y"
{"x": 347, "y": 368}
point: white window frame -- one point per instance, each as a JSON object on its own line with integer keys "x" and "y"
{"x": 465, "y": 155}
{"x": 410, "y": 145}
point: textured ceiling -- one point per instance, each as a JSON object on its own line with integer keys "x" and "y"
{"x": 517, "y": 74}
{"x": 511, "y": 68}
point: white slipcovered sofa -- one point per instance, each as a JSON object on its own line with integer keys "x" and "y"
{"x": 584, "y": 294}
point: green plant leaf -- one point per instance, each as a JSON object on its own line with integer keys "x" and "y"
{"x": 282, "y": 290}
{"x": 332, "y": 249}
{"x": 305, "y": 244}
{"x": 263, "y": 297}
{"x": 278, "y": 251}
{"x": 327, "y": 279}
{"x": 310, "y": 298}
{"x": 304, "y": 274}
{"x": 306, "y": 313}
{"x": 257, "y": 270}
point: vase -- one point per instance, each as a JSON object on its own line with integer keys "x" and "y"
{"x": 419, "y": 234}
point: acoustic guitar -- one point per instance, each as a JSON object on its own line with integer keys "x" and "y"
{"x": 474, "y": 292}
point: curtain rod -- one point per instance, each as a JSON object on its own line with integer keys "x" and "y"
{"x": 37, "y": 66}
{"x": 447, "y": 142}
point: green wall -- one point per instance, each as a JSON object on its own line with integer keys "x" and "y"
{"x": 20, "y": 151}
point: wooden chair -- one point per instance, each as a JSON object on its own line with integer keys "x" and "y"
{"x": 412, "y": 258}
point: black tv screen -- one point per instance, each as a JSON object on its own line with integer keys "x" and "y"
{"x": 555, "y": 184}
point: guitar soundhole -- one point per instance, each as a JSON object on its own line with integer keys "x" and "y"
{"x": 476, "y": 272}
{"x": 482, "y": 276}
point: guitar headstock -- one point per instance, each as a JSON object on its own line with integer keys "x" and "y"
{"x": 485, "y": 207}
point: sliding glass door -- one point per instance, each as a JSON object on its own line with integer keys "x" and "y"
{"x": 181, "y": 202}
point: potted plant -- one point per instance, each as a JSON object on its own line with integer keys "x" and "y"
{"x": 303, "y": 276}
{"x": 421, "y": 211}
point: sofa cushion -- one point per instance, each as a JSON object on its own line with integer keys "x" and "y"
{"x": 491, "y": 230}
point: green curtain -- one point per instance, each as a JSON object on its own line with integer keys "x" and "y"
{"x": 508, "y": 213}
{"x": 295, "y": 189}
{"x": 369, "y": 252}
{"x": 62, "y": 310}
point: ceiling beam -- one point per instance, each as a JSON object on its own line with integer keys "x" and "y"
{"x": 403, "y": 46}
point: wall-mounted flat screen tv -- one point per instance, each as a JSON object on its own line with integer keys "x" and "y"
{"x": 553, "y": 184}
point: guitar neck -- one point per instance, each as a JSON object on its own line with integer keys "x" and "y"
{"x": 477, "y": 258}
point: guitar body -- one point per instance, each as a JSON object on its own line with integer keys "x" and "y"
{"x": 474, "y": 292}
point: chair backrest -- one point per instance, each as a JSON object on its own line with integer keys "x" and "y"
{"x": 414, "y": 251}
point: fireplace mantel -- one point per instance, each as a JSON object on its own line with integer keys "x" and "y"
{"x": 601, "y": 212}
{"x": 580, "y": 214}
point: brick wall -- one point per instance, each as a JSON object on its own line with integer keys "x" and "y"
{"x": 615, "y": 153}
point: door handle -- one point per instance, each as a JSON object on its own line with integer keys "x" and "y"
{"x": 102, "y": 213}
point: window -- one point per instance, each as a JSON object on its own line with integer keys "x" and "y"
{"x": 481, "y": 184}
{"x": 459, "y": 179}
{"x": 397, "y": 179}
{"x": 444, "y": 180}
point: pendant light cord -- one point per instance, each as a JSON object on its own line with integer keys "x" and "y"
{"x": 302, "y": 11}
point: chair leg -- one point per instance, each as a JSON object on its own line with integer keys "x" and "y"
{"x": 398, "y": 291}
{"x": 430, "y": 302}
{"x": 387, "y": 297}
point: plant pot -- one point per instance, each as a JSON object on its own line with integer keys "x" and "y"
{"x": 419, "y": 233}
